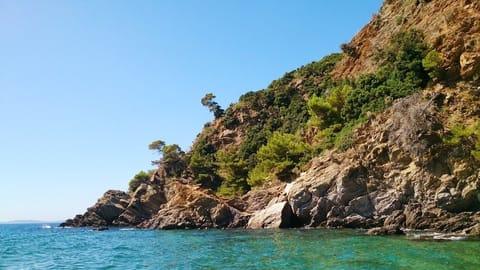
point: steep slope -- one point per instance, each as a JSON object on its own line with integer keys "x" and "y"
{"x": 385, "y": 136}
{"x": 451, "y": 27}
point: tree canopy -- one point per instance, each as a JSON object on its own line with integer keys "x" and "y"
{"x": 208, "y": 101}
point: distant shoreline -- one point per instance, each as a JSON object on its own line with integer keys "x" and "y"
{"x": 28, "y": 222}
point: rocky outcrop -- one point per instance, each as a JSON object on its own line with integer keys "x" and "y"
{"x": 451, "y": 27}
{"x": 161, "y": 204}
{"x": 103, "y": 213}
{"x": 144, "y": 203}
{"x": 190, "y": 207}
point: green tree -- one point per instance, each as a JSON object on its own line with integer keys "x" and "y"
{"x": 173, "y": 160}
{"x": 157, "y": 145}
{"x": 172, "y": 157}
{"x": 141, "y": 177}
{"x": 279, "y": 158}
{"x": 433, "y": 64}
{"x": 203, "y": 165}
{"x": 208, "y": 101}
{"x": 326, "y": 111}
{"x": 234, "y": 172}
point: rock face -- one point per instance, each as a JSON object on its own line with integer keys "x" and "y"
{"x": 190, "y": 207}
{"x": 456, "y": 39}
{"x": 104, "y": 212}
{"x": 278, "y": 215}
{"x": 161, "y": 204}
{"x": 399, "y": 174}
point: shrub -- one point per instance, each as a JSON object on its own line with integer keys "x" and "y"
{"x": 202, "y": 163}
{"x": 278, "y": 159}
{"x": 349, "y": 50}
{"x": 344, "y": 139}
{"x": 140, "y": 178}
{"x": 234, "y": 173}
{"x": 401, "y": 73}
{"x": 459, "y": 133}
{"x": 432, "y": 63}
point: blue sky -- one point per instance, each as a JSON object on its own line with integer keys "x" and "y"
{"x": 85, "y": 86}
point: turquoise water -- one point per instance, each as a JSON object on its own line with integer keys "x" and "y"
{"x": 35, "y": 246}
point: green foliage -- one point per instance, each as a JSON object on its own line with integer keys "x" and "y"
{"x": 229, "y": 120}
{"x": 344, "y": 138}
{"x": 157, "y": 145}
{"x": 172, "y": 160}
{"x": 326, "y": 111}
{"x": 300, "y": 99}
{"x": 202, "y": 163}
{"x": 323, "y": 114}
{"x": 341, "y": 108}
{"x": 476, "y": 151}
{"x": 459, "y": 133}
{"x": 140, "y": 178}
{"x": 432, "y": 63}
{"x": 234, "y": 172}
{"x": 326, "y": 137}
{"x": 401, "y": 73}
{"x": 279, "y": 158}
{"x": 256, "y": 136}
{"x": 402, "y": 59}
{"x": 349, "y": 50}
{"x": 319, "y": 68}
{"x": 316, "y": 75}
{"x": 213, "y": 106}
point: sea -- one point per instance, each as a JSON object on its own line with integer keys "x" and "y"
{"x": 46, "y": 246}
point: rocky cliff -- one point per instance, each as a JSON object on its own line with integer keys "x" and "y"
{"x": 413, "y": 165}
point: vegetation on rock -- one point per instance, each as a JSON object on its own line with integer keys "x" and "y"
{"x": 275, "y": 125}
{"x": 141, "y": 177}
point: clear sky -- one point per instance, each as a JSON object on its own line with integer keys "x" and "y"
{"x": 85, "y": 86}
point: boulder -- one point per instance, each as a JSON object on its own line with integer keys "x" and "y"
{"x": 278, "y": 215}
{"x": 469, "y": 64}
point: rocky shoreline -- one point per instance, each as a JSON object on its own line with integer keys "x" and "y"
{"x": 397, "y": 174}
{"x": 389, "y": 181}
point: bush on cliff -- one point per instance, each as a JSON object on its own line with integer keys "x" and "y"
{"x": 172, "y": 160}
{"x": 141, "y": 177}
{"x": 279, "y": 158}
{"x": 403, "y": 70}
{"x": 234, "y": 172}
{"x": 202, "y": 163}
